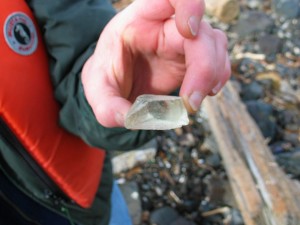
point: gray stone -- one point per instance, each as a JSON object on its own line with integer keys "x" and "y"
{"x": 290, "y": 161}
{"x": 292, "y": 138}
{"x": 290, "y": 117}
{"x": 183, "y": 221}
{"x": 236, "y": 217}
{"x": 214, "y": 160}
{"x": 252, "y": 91}
{"x": 132, "y": 198}
{"x": 123, "y": 161}
{"x": 269, "y": 44}
{"x": 287, "y": 8}
{"x": 263, "y": 114}
{"x": 164, "y": 216}
{"x": 251, "y": 22}
{"x": 280, "y": 147}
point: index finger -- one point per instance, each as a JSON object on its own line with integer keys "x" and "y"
{"x": 205, "y": 62}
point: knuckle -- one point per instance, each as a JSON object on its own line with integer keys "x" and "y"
{"x": 209, "y": 72}
{"x": 101, "y": 116}
{"x": 221, "y": 37}
{"x": 208, "y": 30}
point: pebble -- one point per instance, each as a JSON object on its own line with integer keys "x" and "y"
{"x": 251, "y": 22}
{"x": 292, "y": 138}
{"x": 263, "y": 114}
{"x": 164, "y": 216}
{"x": 289, "y": 117}
{"x": 130, "y": 159}
{"x": 131, "y": 194}
{"x": 183, "y": 221}
{"x": 280, "y": 147}
{"x": 236, "y": 217}
{"x": 290, "y": 161}
{"x": 147, "y": 204}
{"x": 189, "y": 205}
{"x": 249, "y": 67}
{"x": 287, "y": 8}
{"x": 269, "y": 44}
{"x": 213, "y": 160}
{"x": 205, "y": 206}
{"x": 252, "y": 91}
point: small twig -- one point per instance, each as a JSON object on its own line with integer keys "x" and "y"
{"x": 223, "y": 210}
{"x": 250, "y": 55}
{"x": 175, "y": 197}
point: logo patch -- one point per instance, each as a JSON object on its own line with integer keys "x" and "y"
{"x": 20, "y": 33}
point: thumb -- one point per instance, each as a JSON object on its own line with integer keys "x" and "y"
{"x": 188, "y": 15}
{"x": 108, "y": 105}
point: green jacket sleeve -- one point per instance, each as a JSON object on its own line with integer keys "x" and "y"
{"x": 70, "y": 29}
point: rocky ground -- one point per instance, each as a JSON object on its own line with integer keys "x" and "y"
{"x": 185, "y": 182}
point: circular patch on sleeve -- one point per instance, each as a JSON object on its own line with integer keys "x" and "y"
{"x": 20, "y": 33}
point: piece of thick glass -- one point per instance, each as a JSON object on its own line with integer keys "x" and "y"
{"x": 157, "y": 112}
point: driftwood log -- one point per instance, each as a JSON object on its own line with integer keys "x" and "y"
{"x": 264, "y": 193}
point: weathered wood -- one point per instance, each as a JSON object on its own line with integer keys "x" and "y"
{"x": 245, "y": 151}
{"x": 224, "y": 10}
{"x": 242, "y": 183}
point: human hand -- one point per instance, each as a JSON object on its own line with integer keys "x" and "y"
{"x": 146, "y": 50}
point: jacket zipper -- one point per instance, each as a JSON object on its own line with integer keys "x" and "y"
{"x": 10, "y": 138}
{"x": 52, "y": 192}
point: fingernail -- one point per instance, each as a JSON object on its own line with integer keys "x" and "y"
{"x": 195, "y": 100}
{"x": 120, "y": 119}
{"x": 217, "y": 88}
{"x": 193, "y": 25}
